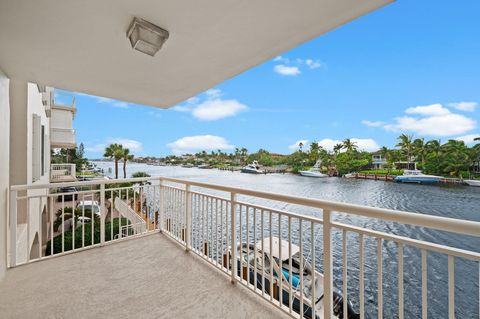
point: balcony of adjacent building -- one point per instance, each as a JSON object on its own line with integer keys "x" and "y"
{"x": 62, "y": 173}
{"x": 63, "y": 108}
{"x": 165, "y": 247}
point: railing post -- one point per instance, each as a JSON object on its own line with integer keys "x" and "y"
{"x": 13, "y": 228}
{"x": 162, "y": 206}
{"x": 328, "y": 273}
{"x": 102, "y": 215}
{"x": 188, "y": 217}
{"x": 233, "y": 242}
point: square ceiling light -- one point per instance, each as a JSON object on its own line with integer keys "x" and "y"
{"x": 146, "y": 37}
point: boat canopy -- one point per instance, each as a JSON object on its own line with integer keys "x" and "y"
{"x": 276, "y": 250}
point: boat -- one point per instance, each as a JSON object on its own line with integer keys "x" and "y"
{"x": 188, "y": 165}
{"x": 204, "y": 166}
{"x": 252, "y": 168}
{"x": 472, "y": 182}
{"x": 252, "y": 257}
{"x": 350, "y": 175}
{"x": 315, "y": 171}
{"x": 416, "y": 176}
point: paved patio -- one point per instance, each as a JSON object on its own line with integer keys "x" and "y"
{"x": 148, "y": 277}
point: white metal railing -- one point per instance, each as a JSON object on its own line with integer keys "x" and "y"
{"x": 302, "y": 264}
{"x": 62, "y": 172}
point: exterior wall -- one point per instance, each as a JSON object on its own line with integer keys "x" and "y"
{"x": 25, "y": 103}
{"x": 4, "y": 167}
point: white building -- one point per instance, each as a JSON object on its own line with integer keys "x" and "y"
{"x": 93, "y": 47}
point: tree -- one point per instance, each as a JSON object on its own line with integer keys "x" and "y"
{"x": 126, "y": 157}
{"x": 419, "y": 150}
{"x": 477, "y": 138}
{"x": 140, "y": 174}
{"x": 455, "y": 158}
{"x": 337, "y": 148}
{"x": 406, "y": 145}
{"x": 349, "y": 145}
{"x": 115, "y": 152}
{"x": 300, "y": 146}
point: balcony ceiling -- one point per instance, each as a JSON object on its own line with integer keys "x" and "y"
{"x": 82, "y": 45}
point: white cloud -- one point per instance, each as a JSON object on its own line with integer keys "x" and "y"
{"x": 429, "y": 120}
{"x": 193, "y": 144}
{"x": 439, "y": 125}
{"x": 373, "y": 123}
{"x": 464, "y": 106}
{"x": 133, "y": 145}
{"x": 313, "y": 64}
{"x": 428, "y": 110}
{"x": 468, "y": 139}
{"x": 281, "y": 59}
{"x": 295, "y": 146}
{"x": 287, "y": 70}
{"x": 212, "y": 108}
{"x": 363, "y": 144}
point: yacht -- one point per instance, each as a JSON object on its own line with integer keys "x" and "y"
{"x": 416, "y": 176}
{"x": 252, "y": 168}
{"x": 472, "y": 182}
{"x": 269, "y": 263}
{"x": 315, "y": 171}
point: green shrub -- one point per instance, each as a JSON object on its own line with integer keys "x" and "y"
{"x": 68, "y": 235}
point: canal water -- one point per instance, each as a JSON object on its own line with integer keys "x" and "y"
{"x": 454, "y": 201}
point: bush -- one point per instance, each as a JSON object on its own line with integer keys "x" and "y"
{"x": 68, "y": 235}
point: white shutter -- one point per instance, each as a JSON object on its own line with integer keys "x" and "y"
{"x": 36, "y": 147}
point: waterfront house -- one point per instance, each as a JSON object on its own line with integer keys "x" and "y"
{"x": 378, "y": 161}
{"x": 134, "y": 265}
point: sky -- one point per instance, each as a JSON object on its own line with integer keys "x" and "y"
{"x": 411, "y": 67}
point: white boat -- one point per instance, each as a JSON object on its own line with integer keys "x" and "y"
{"x": 269, "y": 263}
{"x": 350, "y": 175}
{"x": 472, "y": 182}
{"x": 416, "y": 176}
{"x": 315, "y": 171}
{"x": 252, "y": 168}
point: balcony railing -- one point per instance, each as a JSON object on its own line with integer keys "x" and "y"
{"x": 254, "y": 237}
{"x": 62, "y": 173}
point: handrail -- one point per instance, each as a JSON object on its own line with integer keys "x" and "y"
{"x": 416, "y": 219}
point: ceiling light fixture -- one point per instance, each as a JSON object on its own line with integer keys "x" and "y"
{"x": 146, "y": 37}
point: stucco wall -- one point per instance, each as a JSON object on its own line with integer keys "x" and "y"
{"x": 4, "y": 167}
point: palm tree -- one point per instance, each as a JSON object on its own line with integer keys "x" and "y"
{"x": 406, "y": 145}
{"x": 337, "y": 148}
{"x": 419, "y": 149}
{"x": 126, "y": 157}
{"x": 114, "y": 151}
{"x": 349, "y": 145}
{"x": 300, "y": 146}
{"x": 457, "y": 157}
{"x": 385, "y": 153}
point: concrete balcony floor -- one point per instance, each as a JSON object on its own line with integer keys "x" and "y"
{"x": 147, "y": 277}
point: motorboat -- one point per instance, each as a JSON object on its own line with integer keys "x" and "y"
{"x": 416, "y": 176}
{"x": 315, "y": 171}
{"x": 472, "y": 182}
{"x": 188, "y": 165}
{"x": 265, "y": 267}
{"x": 350, "y": 175}
{"x": 252, "y": 168}
{"x": 203, "y": 166}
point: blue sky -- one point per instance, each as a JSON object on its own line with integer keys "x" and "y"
{"x": 413, "y": 67}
